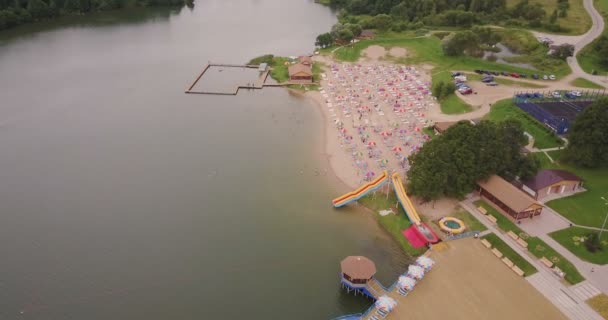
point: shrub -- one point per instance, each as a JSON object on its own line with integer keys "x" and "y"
{"x": 592, "y": 242}
{"x": 492, "y": 58}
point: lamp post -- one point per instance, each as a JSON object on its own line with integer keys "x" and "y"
{"x": 605, "y": 219}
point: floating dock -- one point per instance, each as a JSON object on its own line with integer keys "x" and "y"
{"x": 261, "y": 82}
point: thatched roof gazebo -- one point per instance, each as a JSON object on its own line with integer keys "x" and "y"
{"x": 357, "y": 269}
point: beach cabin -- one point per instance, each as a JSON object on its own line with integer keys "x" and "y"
{"x": 440, "y": 127}
{"x": 552, "y": 183}
{"x": 300, "y": 73}
{"x": 508, "y": 199}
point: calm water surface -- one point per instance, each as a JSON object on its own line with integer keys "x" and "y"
{"x": 123, "y": 198}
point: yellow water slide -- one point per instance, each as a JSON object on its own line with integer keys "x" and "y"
{"x": 405, "y": 201}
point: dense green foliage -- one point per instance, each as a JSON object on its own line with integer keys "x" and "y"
{"x": 411, "y": 14}
{"x": 600, "y": 47}
{"x": 588, "y": 136}
{"x": 442, "y": 89}
{"x": 17, "y": 12}
{"x": 451, "y": 164}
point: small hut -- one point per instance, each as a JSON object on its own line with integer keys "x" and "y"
{"x": 300, "y": 73}
{"x": 357, "y": 270}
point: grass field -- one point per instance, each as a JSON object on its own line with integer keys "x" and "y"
{"x": 451, "y": 104}
{"x": 568, "y": 238}
{"x": 543, "y": 137}
{"x": 539, "y": 249}
{"x": 585, "y": 208}
{"x": 584, "y": 83}
{"x": 279, "y": 69}
{"x": 587, "y": 58}
{"x": 518, "y": 260}
{"x": 393, "y": 223}
{"x": 470, "y": 222}
{"x": 578, "y": 21}
{"x": 422, "y": 50}
{"x": 599, "y": 303}
{"x": 536, "y": 246}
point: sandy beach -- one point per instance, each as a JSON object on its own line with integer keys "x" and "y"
{"x": 373, "y": 113}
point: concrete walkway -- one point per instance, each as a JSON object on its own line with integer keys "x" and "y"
{"x": 545, "y": 281}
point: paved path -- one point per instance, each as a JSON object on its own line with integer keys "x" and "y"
{"x": 547, "y": 283}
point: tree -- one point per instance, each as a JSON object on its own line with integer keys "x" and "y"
{"x": 563, "y": 51}
{"x": 437, "y": 89}
{"x": 553, "y": 17}
{"x": 452, "y": 163}
{"x": 324, "y": 40}
{"x": 487, "y": 35}
{"x": 382, "y": 22}
{"x": 588, "y": 138}
{"x": 461, "y": 42}
{"x": 601, "y": 47}
{"x": 354, "y": 28}
{"x": 345, "y": 35}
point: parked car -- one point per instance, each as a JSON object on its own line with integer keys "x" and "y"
{"x": 569, "y": 95}
{"x": 535, "y": 76}
{"x": 504, "y": 73}
{"x": 545, "y": 77}
{"x": 537, "y": 95}
{"x": 552, "y": 77}
{"x": 492, "y": 84}
{"x": 556, "y": 94}
{"x": 479, "y": 71}
{"x": 495, "y": 73}
{"x": 577, "y": 93}
{"x": 523, "y": 75}
{"x": 515, "y": 75}
{"x": 487, "y": 79}
{"x": 456, "y": 74}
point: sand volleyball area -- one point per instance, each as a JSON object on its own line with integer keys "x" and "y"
{"x": 469, "y": 282}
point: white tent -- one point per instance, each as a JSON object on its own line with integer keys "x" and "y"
{"x": 406, "y": 283}
{"x": 386, "y": 303}
{"x": 425, "y": 262}
{"x": 415, "y": 272}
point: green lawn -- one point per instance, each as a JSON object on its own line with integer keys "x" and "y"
{"x": 451, "y": 104}
{"x": 577, "y": 20}
{"x": 588, "y": 58}
{"x": 504, "y": 223}
{"x": 423, "y": 50}
{"x": 585, "y": 208}
{"x": 394, "y": 224}
{"x": 470, "y": 222}
{"x": 568, "y": 238}
{"x": 518, "y": 260}
{"x": 429, "y": 132}
{"x": 279, "y": 69}
{"x": 536, "y": 246}
{"x": 584, "y": 83}
{"x": 543, "y": 136}
{"x": 540, "y": 249}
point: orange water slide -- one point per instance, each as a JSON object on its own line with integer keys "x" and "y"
{"x": 361, "y": 191}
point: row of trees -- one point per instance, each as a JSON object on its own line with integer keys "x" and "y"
{"x": 17, "y": 12}
{"x": 471, "y": 42}
{"x": 588, "y": 137}
{"x": 451, "y": 164}
{"x": 341, "y": 33}
{"x": 600, "y": 47}
{"x": 442, "y": 89}
{"x": 454, "y": 12}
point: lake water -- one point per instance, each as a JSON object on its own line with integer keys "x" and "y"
{"x": 124, "y": 198}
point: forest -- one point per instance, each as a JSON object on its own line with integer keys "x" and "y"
{"x": 18, "y": 12}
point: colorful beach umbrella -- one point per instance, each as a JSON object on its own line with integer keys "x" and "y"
{"x": 396, "y": 149}
{"x": 406, "y": 283}
{"x": 371, "y": 144}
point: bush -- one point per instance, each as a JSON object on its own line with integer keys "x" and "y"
{"x": 592, "y": 243}
{"x": 492, "y": 58}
